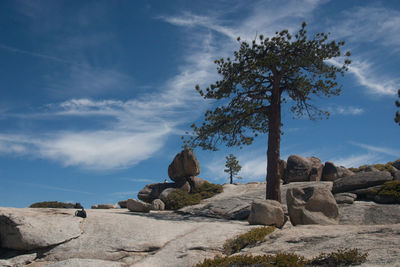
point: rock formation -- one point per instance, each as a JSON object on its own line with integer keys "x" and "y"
{"x": 331, "y": 172}
{"x": 266, "y": 212}
{"x": 311, "y": 204}
{"x": 184, "y": 165}
{"x": 300, "y": 169}
{"x": 360, "y": 180}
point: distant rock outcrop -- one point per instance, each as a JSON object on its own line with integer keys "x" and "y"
{"x": 331, "y": 172}
{"x": 300, "y": 169}
{"x": 360, "y": 180}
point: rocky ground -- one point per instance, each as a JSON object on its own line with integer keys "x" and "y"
{"x": 117, "y": 237}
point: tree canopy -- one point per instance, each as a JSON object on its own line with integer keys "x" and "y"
{"x": 263, "y": 75}
{"x": 232, "y": 166}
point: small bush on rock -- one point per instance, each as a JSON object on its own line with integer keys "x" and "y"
{"x": 345, "y": 257}
{"x": 248, "y": 239}
{"x": 380, "y": 167}
{"x": 207, "y": 190}
{"x": 390, "y": 189}
{"x": 179, "y": 198}
{"x": 53, "y": 204}
{"x": 342, "y": 257}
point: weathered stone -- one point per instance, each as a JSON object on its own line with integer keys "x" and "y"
{"x": 311, "y": 205}
{"x": 396, "y": 175}
{"x": 184, "y": 165}
{"x": 157, "y": 204}
{"x": 330, "y": 172}
{"x": 266, "y": 212}
{"x": 137, "y": 205}
{"x": 195, "y": 182}
{"x": 85, "y": 263}
{"x": 300, "y": 169}
{"x": 105, "y": 206}
{"x": 153, "y": 191}
{"x": 366, "y": 193}
{"x": 26, "y": 229}
{"x": 368, "y": 213}
{"x": 165, "y": 193}
{"x": 345, "y": 198}
{"x": 386, "y": 199}
{"x": 360, "y": 180}
{"x": 122, "y": 204}
{"x": 16, "y": 261}
{"x": 183, "y": 185}
{"x": 396, "y": 164}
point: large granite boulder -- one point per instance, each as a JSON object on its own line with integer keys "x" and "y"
{"x": 164, "y": 194}
{"x": 330, "y": 172}
{"x": 122, "y": 204}
{"x": 24, "y": 229}
{"x": 266, "y": 212}
{"x": 138, "y": 206}
{"x": 311, "y": 205}
{"x": 185, "y": 164}
{"x": 300, "y": 169}
{"x": 360, "y": 180}
{"x": 153, "y": 191}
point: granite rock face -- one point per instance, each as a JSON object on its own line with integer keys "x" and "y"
{"x": 266, "y": 212}
{"x": 311, "y": 205}
{"x": 360, "y": 180}
{"x": 27, "y": 229}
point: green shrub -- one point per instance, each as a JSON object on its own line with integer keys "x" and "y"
{"x": 345, "y": 257}
{"x": 179, "y": 198}
{"x": 342, "y": 257}
{"x": 52, "y": 204}
{"x": 380, "y": 167}
{"x": 390, "y": 189}
{"x": 250, "y": 238}
{"x": 207, "y": 190}
{"x": 281, "y": 259}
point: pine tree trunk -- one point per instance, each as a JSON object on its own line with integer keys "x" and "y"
{"x": 231, "y": 178}
{"x": 273, "y": 153}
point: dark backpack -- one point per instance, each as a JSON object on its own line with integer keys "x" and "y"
{"x": 80, "y": 213}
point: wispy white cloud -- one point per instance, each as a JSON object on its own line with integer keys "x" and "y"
{"x": 370, "y": 24}
{"x": 125, "y": 194}
{"x": 343, "y": 110}
{"x": 382, "y": 150}
{"x": 56, "y": 188}
{"x": 370, "y": 78}
{"x": 356, "y": 160}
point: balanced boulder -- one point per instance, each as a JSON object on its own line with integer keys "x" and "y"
{"x": 312, "y": 204}
{"x": 266, "y": 212}
{"x": 300, "y": 169}
{"x": 330, "y": 172}
{"x": 360, "y": 180}
{"x": 138, "y": 206}
{"x": 185, "y": 164}
{"x": 195, "y": 182}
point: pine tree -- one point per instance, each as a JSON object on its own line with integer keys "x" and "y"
{"x": 261, "y": 78}
{"x": 397, "y": 117}
{"x": 232, "y": 166}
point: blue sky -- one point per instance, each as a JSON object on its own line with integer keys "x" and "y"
{"x": 95, "y": 95}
